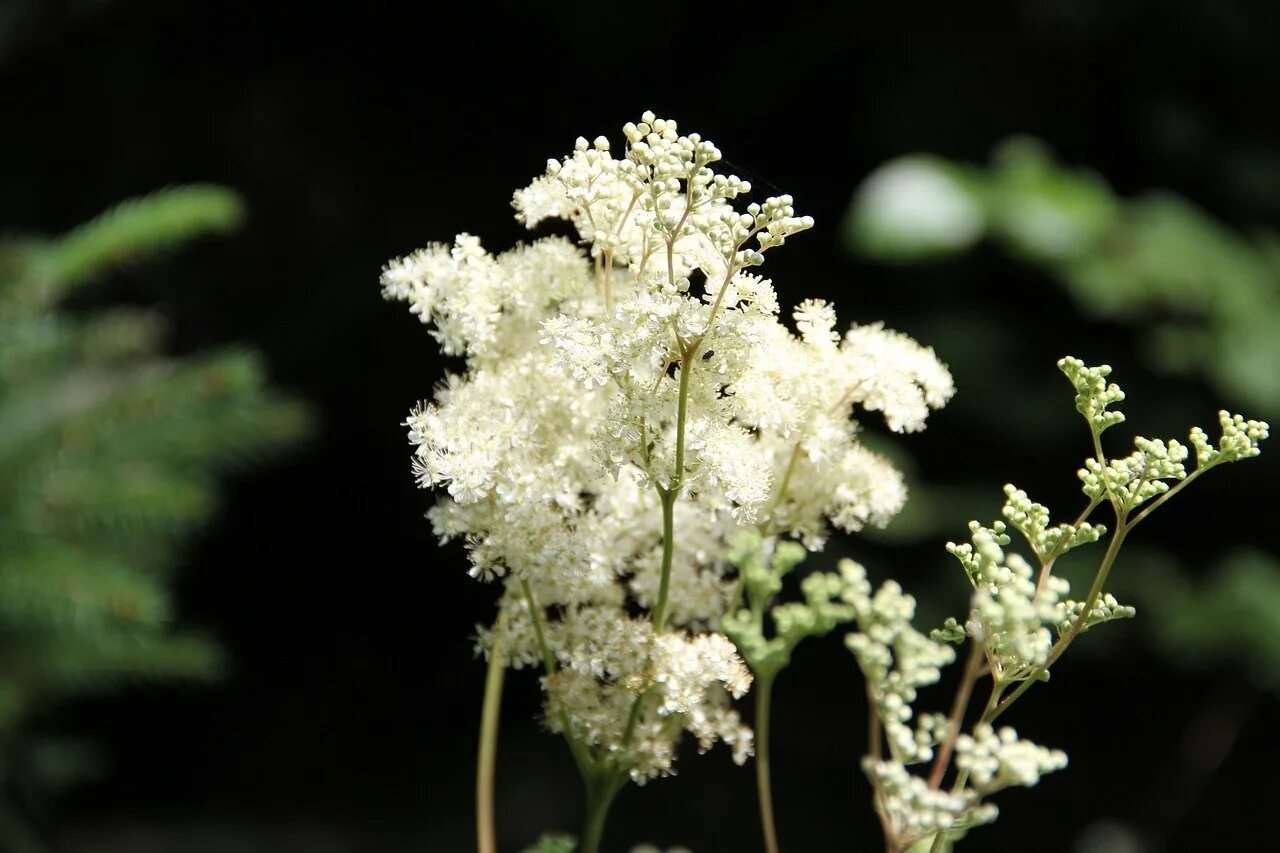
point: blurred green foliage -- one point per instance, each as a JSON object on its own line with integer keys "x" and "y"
{"x": 110, "y": 455}
{"x": 1205, "y": 297}
{"x": 553, "y": 842}
{"x": 1231, "y": 617}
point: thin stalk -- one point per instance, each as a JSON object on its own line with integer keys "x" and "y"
{"x": 715, "y": 306}
{"x": 672, "y": 493}
{"x": 781, "y": 494}
{"x": 599, "y": 797}
{"x": 1158, "y": 502}
{"x": 668, "y": 551}
{"x": 535, "y": 616}
{"x": 939, "y": 844}
{"x": 581, "y": 754}
{"x": 764, "y": 791}
{"x": 608, "y": 279}
{"x": 633, "y": 718}
{"x": 1108, "y": 560}
{"x": 874, "y": 748}
{"x": 972, "y": 670}
{"x": 1046, "y": 566}
{"x": 487, "y": 753}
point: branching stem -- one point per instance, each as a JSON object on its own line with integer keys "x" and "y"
{"x": 1108, "y": 560}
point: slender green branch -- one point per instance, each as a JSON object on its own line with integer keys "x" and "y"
{"x": 874, "y": 747}
{"x": 581, "y": 753}
{"x": 633, "y": 718}
{"x": 767, "y": 516}
{"x": 764, "y": 791}
{"x": 487, "y": 753}
{"x": 672, "y": 494}
{"x": 939, "y": 844}
{"x": 1108, "y": 560}
{"x": 608, "y": 278}
{"x": 600, "y": 794}
{"x": 535, "y": 616}
{"x": 715, "y": 306}
{"x": 1160, "y": 501}
{"x": 1046, "y": 563}
{"x": 668, "y": 551}
{"x": 972, "y": 671}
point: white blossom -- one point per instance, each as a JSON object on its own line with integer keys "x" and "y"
{"x": 998, "y": 759}
{"x": 597, "y": 383}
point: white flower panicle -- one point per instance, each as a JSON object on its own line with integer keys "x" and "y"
{"x": 1031, "y": 519}
{"x": 628, "y": 404}
{"x": 639, "y": 444}
{"x": 607, "y": 671}
{"x": 913, "y": 811}
{"x": 1094, "y": 394}
{"x": 1010, "y": 610}
{"x": 998, "y": 759}
{"x": 1016, "y": 610}
{"x": 895, "y": 658}
{"x": 1240, "y": 439}
{"x": 1104, "y": 610}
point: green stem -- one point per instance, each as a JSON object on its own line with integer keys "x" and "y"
{"x": 1158, "y": 502}
{"x": 972, "y": 671}
{"x": 940, "y": 843}
{"x": 633, "y": 718}
{"x": 672, "y": 493}
{"x": 1123, "y": 526}
{"x": 1108, "y": 560}
{"x": 668, "y": 552}
{"x": 535, "y": 616}
{"x": 600, "y": 796}
{"x": 764, "y": 791}
{"x": 581, "y": 754}
{"x": 486, "y": 756}
{"x": 780, "y": 495}
{"x": 1046, "y": 563}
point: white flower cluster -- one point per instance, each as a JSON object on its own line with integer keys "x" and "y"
{"x": 1240, "y": 439}
{"x": 1146, "y": 473}
{"x": 1031, "y": 519}
{"x": 1105, "y": 609}
{"x": 605, "y": 671}
{"x": 1014, "y": 611}
{"x": 1094, "y": 394}
{"x": 896, "y": 660}
{"x": 998, "y": 759}
{"x": 1010, "y": 612}
{"x": 913, "y": 811}
{"x": 624, "y": 410}
{"x": 1008, "y": 622}
{"x": 1138, "y": 477}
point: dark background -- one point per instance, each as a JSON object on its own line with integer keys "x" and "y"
{"x": 359, "y": 131}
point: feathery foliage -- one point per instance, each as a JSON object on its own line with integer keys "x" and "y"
{"x": 110, "y": 457}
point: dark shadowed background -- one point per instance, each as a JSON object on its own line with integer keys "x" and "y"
{"x": 359, "y": 131}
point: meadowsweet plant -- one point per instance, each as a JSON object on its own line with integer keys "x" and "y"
{"x": 636, "y": 449}
{"x": 1019, "y": 624}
